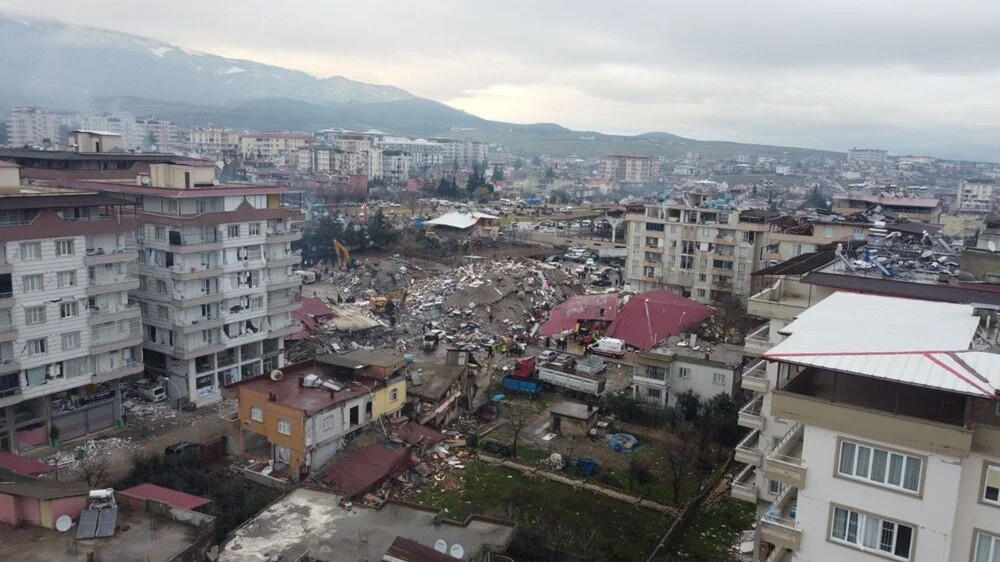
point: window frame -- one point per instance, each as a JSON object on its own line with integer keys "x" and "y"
{"x": 684, "y": 372}
{"x": 868, "y": 481}
{"x": 987, "y": 466}
{"x": 284, "y": 423}
{"x": 67, "y": 241}
{"x": 716, "y": 377}
{"x": 71, "y": 273}
{"x": 43, "y": 344}
{"x": 73, "y": 306}
{"x": 975, "y": 542}
{"x": 257, "y": 414}
{"x": 393, "y": 394}
{"x": 78, "y": 341}
{"x": 34, "y": 315}
{"x": 24, "y": 254}
{"x": 859, "y": 532}
{"x": 41, "y": 282}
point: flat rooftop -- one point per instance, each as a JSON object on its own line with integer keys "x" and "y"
{"x": 727, "y": 354}
{"x": 307, "y": 519}
{"x": 288, "y": 392}
{"x": 149, "y": 537}
{"x": 434, "y": 380}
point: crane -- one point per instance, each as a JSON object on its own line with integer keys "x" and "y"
{"x": 341, "y": 253}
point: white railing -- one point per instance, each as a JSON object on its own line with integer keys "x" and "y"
{"x": 787, "y": 442}
{"x": 745, "y": 480}
{"x": 750, "y": 443}
{"x": 760, "y": 334}
{"x": 753, "y": 407}
{"x": 778, "y": 512}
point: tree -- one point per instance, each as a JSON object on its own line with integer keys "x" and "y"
{"x": 476, "y": 179}
{"x": 731, "y": 317}
{"x": 550, "y": 174}
{"x": 446, "y": 188}
{"x": 688, "y": 405}
{"x": 483, "y": 192}
{"x": 518, "y": 164}
{"x": 683, "y": 453}
{"x": 498, "y": 173}
{"x": 516, "y": 416}
{"x": 722, "y": 417}
{"x": 816, "y": 200}
{"x": 380, "y": 231}
{"x": 536, "y": 161}
{"x": 95, "y": 471}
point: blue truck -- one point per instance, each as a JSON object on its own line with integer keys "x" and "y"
{"x": 526, "y": 386}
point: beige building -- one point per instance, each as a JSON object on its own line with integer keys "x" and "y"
{"x": 279, "y": 148}
{"x": 704, "y": 254}
{"x": 975, "y": 197}
{"x": 913, "y": 208}
{"x": 213, "y": 140}
{"x": 34, "y": 126}
{"x": 629, "y": 167}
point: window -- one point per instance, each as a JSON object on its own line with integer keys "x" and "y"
{"x": 393, "y": 395}
{"x": 828, "y": 232}
{"x": 256, "y": 414}
{"x": 987, "y": 548}
{"x": 36, "y": 346}
{"x": 718, "y": 378}
{"x": 233, "y": 231}
{"x": 33, "y": 283}
{"x": 161, "y": 286}
{"x": 654, "y": 372}
{"x": 328, "y": 423}
{"x": 684, "y": 372}
{"x": 34, "y": 315}
{"x": 200, "y": 206}
{"x": 871, "y": 533}
{"x": 879, "y": 466}
{"x": 69, "y": 310}
{"x": 66, "y": 279}
{"x": 774, "y": 486}
{"x": 991, "y": 484}
{"x": 162, "y": 312}
{"x": 653, "y": 393}
{"x": 31, "y": 251}
{"x": 172, "y": 204}
{"x": 701, "y": 292}
{"x": 160, "y": 233}
{"x": 64, "y": 247}
{"x": 284, "y": 427}
{"x": 71, "y": 340}
{"x": 254, "y": 228}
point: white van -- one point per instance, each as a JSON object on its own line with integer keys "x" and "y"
{"x": 306, "y": 276}
{"x": 611, "y": 347}
{"x": 151, "y": 391}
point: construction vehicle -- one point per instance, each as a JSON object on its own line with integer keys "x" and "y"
{"x": 342, "y": 254}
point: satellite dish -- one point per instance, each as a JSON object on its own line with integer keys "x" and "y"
{"x": 64, "y": 523}
{"x": 215, "y": 181}
{"x": 441, "y": 546}
{"x": 457, "y": 551}
{"x": 992, "y": 246}
{"x": 145, "y": 180}
{"x": 277, "y": 375}
{"x": 152, "y": 148}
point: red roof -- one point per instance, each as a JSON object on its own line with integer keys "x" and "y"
{"x": 289, "y": 391}
{"x": 409, "y": 550}
{"x": 654, "y": 316}
{"x": 415, "y": 433}
{"x": 166, "y": 495}
{"x": 24, "y": 465}
{"x": 313, "y": 309}
{"x": 583, "y": 307}
{"x": 367, "y": 467}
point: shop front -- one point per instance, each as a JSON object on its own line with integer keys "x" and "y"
{"x": 85, "y": 410}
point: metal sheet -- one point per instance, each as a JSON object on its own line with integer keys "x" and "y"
{"x": 87, "y": 528}
{"x": 108, "y": 518}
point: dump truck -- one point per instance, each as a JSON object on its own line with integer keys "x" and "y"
{"x": 569, "y": 374}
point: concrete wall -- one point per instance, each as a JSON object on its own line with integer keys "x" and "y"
{"x": 51, "y": 510}
{"x": 970, "y": 512}
{"x": 701, "y": 381}
{"x": 383, "y": 404}
{"x": 8, "y": 510}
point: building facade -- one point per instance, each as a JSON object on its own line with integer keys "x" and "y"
{"x": 661, "y": 375}
{"x": 36, "y": 126}
{"x": 702, "y": 253}
{"x": 631, "y": 167}
{"x": 213, "y": 140}
{"x": 975, "y": 197}
{"x": 69, "y": 332}
{"x": 278, "y": 148}
{"x": 867, "y": 156}
{"x": 215, "y": 278}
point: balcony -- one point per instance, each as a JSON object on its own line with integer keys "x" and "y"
{"x": 283, "y": 330}
{"x": 101, "y": 256}
{"x": 777, "y": 302}
{"x": 283, "y": 282}
{"x": 9, "y": 365}
{"x": 7, "y": 332}
{"x": 281, "y": 260}
{"x": 758, "y": 341}
{"x": 181, "y": 272}
{"x": 5, "y": 265}
{"x": 6, "y": 300}
{"x": 202, "y": 323}
{"x": 784, "y": 461}
{"x": 750, "y": 416}
{"x": 748, "y": 450}
{"x": 778, "y": 525}
{"x": 284, "y": 236}
{"x": 104, "y": 339}
{"x": 744, "y": 486}
{"x": 278, "y": 306}
{"x": 113, "y": 313}
{"x": 754, "y": 377}
{"x": 111, "y": 284}
{"x": 122, "y": 369}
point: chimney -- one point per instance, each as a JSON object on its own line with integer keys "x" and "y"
{"x": 333, "y": 394}
{"x": 271, "y": 396}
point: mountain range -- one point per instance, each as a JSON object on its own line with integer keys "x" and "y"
{"x": 75, "y": 68}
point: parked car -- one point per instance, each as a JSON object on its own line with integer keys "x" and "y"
{"x": 182, "y": 447}
{"x": 611, "y": 347}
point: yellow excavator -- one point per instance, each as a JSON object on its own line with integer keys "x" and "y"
{"x": 342, "y": 253}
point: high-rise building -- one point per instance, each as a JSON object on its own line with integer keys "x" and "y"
{"x": 215, "y": 277}
{"x": 975, "y": 197}
{"x": 68, "y": 329}
{"x": 36, "y": 126}
{"x": 629, "y": 167}
{"x": 874, "y": 157}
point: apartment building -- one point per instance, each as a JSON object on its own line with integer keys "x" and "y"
{"x": 214, "y": 277}
{"x": 629, "y": 167}
{"x": 395, "y": 166}
{"x": 278, "y": 148}
{"x": 422, "y": 152}
{"x": 213, "y": 140}
{"x": 68, "y": 331}
{"x": 660, "y": 375}
{"x": 921, "y": 209}
{"x": 36, "y": 126}
{"x": 891, "y": 434}
{"x": 975, "y": 197}
{"x": 298, "y": 418}
{"x": 701, "y": 252}
{"x": 136, "y": 133}
{"x": 867, "y": 156}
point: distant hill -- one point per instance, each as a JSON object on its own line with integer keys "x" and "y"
{"x": 74, "y": 68}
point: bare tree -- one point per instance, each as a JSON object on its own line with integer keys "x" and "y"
{"x": 517, "y": 415}
{"x": 95, "y": 471}
{"x": 684, "y": 455}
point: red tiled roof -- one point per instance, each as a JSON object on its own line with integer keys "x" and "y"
{"x": 367, "y": 467}
{"x": 583, "y": 307}
{"x": 24, "y": 465}
{"x": 166, "y": 495}
{"x": 653, "y": 316}
{"x": 415, "y": 433}
{"x": 312, "y": 309}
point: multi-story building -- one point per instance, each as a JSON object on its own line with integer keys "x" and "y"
{"x": 213, "y": 140}
{"x": 888, "y": 433}
{"x": 422, "y": 152}
{"x": 277, "y": 148}
{"x": 214, "y": 277}
{"x": 395, "y": 166}
{"x": 68, "y": 330}
{"x": 922, "y": 209}
{"x": 867, "y": 156}
{"x": 298, "y": 418}
{"x": 136, "y": 134}
{"x": 701, "y": 252}
{"x": 629, "y": 167}
{"x": 36, "y": 126}
{"x": 975, "y": 197}
{"x": 156, "y": 133}
{"x": 461, "y": 154}
{"x": 660, "y": 375}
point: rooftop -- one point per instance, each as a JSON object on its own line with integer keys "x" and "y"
{"x": 360, "y": 358}
{"x": 307, "y": 519}
{"x": 650, "y": 317}
{"x": 168, "y": 496}
{"x": 289, "y": 392}
{"x": 574, "y": 410}
{"x": 890, "y": 201}
{"x": 364, "y": 468}
{"x": 24, "y": 465}
{"x": 568, "y": 313}
{"x": 17, "y": 484}
{"x": 435, "y": 380}
{"x": 460, "y": 220}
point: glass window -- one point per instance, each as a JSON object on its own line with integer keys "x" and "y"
{"x": 33, "y": 283}
{"x": 284, "y": 427}
{"x": 233, "y": 231}
{"x": 34, "y": 315}
{"x": 887, "y": 468}
{"x": 254, "y": 228}
{"x": 987, "y": 548}
{"x": 718, "y": 378}
{"x": 64, "y": 247}
{"x": 36, "y": 346}
{"x": 66, "y": 279}
{"x": 256, "y": 414}
{"x": 871, "y": 533}
{"x": 684, "y": 372}
{"x": 991, "y": 485}
{"x": 393, "y": 395}
{"x": 69, "y": 310}
{"x": 328, "y": 423}
{"x": 31, "y": 251}
{"x": 71, "y": 340}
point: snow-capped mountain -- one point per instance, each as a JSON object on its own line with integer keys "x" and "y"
{"x": 46, "y": 61}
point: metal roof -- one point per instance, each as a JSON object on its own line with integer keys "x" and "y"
{"x": 459, "y": 220}
{"x": 914, "y": 342}
{"x": 168, "y": 496}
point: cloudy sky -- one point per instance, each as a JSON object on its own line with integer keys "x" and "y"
{"x": 909, "y": 75}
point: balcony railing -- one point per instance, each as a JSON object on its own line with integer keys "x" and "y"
{"x": 749, "y": 415}
{"x": 778, "y": 525}
{"x": 754, "y": 376}
{"x": 744, "y": 485}
{"x": 748, "y": 450}
{"x": 760, "y": 334}
{"x": 784, "y": 460}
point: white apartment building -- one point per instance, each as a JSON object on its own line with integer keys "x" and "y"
{"x": 422, "y": 152}
{"x": 975, "y": 196}
{"x": 68, "y": 331}
{"x": 876, "y": 432}
{"x": 700, "y": 252}
{"x": 395, "y": 166}
{"x": 278, "y": 148}
{"x": 867, "y": 156}
{"x": 215, "y": 278}
{"x": 213, "y": 140}
{"x": 34, "y": 126}
{"x": 661, "y": 375}
{"x": 461, "y": 154}
{"x": 629, "y": 167}
{"x": 137, "y": 134}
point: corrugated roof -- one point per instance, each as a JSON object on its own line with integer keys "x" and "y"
{"x": 24, "y": 465}
{"x": 368, "y": 466}
{"x": 802, "y": 263}
{"x": 459, "y": 220}
{"x": 651, "y": 317}
{"x": 915, "y": 342}
{"x": 168, "y": 496}
{"x": 581, "y": 307}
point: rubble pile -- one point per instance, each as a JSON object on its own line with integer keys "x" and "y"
{"x": 91, "y": 449}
